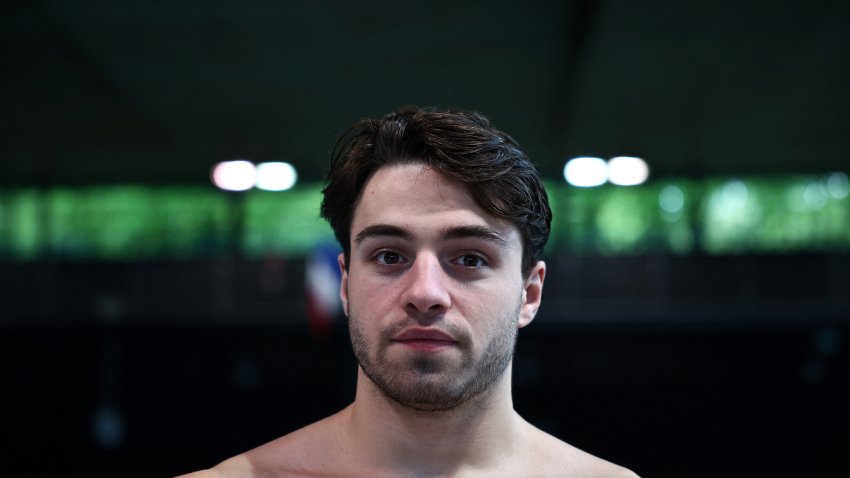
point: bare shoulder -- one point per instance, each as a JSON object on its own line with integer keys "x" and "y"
{"x": 236, "y": 467}
{"x": 294, "y": 454}
{"x": 559, "y": 458}
{"x": 298, "y": 452}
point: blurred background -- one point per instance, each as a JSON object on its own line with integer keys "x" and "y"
{"x": 695, "y": 319}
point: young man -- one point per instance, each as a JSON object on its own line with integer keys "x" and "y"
{"x": 442, "y": 220}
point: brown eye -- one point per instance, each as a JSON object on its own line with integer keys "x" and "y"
{"x": 388, "y": 258}
{"x": 471, "y": 260}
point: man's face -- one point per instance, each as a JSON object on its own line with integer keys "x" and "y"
{"x": 433, "y": 289}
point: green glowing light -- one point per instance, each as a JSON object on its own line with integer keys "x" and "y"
{"x": 716, "y": 216}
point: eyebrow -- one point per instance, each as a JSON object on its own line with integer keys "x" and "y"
{"x": 479, "y": 232}
{"x": 382, "y": 230}
{"x": 456, "y": 232}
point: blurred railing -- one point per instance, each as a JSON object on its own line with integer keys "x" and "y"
{"x": 580, "y": 289}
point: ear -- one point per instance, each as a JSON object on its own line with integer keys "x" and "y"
{"x": 343, "y": 282}
{"x": 532, "y": 294}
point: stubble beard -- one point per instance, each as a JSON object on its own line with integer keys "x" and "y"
{"x": 429, "y": 383}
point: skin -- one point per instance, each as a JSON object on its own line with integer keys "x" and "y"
{"x": 428, "y": 408}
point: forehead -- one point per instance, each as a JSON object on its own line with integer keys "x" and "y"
{"x": 414, "y": 196}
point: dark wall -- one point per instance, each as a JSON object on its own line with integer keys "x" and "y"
{"x": 97, "y": 384}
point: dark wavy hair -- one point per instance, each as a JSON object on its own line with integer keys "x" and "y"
{"x": 463, "y": 147}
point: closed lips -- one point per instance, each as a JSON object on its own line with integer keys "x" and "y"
{"x": 429, "y": 335}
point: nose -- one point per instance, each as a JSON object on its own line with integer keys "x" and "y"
{"x": 426, "y": 288}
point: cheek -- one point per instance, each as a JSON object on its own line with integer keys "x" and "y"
{"x": 370, "y": 296}
{"x": 491, "y": 294}
{"x": 485, "y": 307}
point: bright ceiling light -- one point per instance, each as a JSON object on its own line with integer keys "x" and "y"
{"x": 278, "y": 176}
{"x": 627, "y": 171}
{"x": 237, "y": 175}
{"x": 586, "y": 172}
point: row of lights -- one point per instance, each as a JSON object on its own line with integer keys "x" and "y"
{"x": 242, "y": 175}
{"x": 586, "y": 172}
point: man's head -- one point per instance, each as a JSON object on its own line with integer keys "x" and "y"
{"x": 463, "y": 147}
{"x": 438, "y": 213}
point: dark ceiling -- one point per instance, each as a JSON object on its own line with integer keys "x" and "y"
{"x": 155, "y": 92}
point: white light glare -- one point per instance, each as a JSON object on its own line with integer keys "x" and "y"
{"x": 586, "y": 172}
{"x": 276, "y": 176}
{"x": 627, "y": 171}
{"x": 237, "y": 175}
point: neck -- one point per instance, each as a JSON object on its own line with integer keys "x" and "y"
{"x": 476, "y": 434}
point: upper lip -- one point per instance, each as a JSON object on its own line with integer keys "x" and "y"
{"x": 424, "y": 334}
